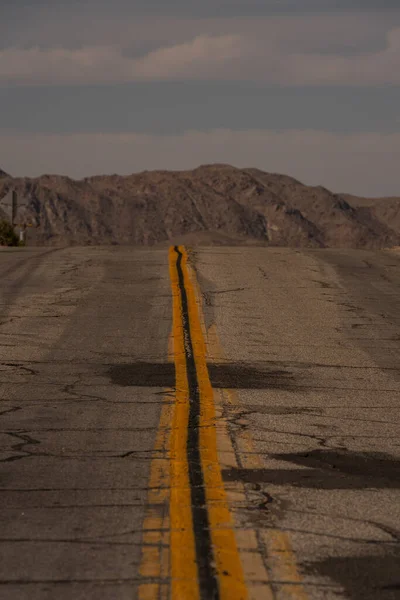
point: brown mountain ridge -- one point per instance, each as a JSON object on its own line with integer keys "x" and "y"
{"x": 213, "y": 204}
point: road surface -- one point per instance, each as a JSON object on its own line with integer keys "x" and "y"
{"x": 199, "y": 423}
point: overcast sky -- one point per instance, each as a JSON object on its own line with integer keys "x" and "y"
{"x": 310, "y": 88}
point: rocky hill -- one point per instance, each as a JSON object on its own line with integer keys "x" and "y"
{"x": 216, "y": 204}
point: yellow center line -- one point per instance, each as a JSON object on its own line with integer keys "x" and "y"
{"x": 229, "y": 572}
{"x": 169, "y": 544}
{"x": 182, "y": 548}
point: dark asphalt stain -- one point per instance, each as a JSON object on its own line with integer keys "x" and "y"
{"x": 367, "y": 577}
{"x": 327, "y": 470}
{"x": 222, "y": 375}
{"x": 242, "y": 376}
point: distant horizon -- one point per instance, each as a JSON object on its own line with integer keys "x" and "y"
{"x": 202, "y": 165}
{"x": 306, "y": 87}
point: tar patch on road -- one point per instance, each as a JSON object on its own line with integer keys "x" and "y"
{"x": 366, "y": 577}
{"x": 222, "y": 375}
{"x": 240, "y": 376}
{"x": 327, "y": 470}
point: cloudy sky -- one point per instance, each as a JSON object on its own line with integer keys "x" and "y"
{"x": 310, "y": 88}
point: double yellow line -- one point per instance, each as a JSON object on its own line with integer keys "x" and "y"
{"x": 205, "y": 561}
{"x": 190, "y": 550}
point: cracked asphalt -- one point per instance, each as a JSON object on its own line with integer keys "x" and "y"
{"x": 303, "y": 356}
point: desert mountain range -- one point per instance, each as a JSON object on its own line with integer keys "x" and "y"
{"x": 213, "y": 204}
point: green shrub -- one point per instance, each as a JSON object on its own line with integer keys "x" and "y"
{"x": 8, "y": 237}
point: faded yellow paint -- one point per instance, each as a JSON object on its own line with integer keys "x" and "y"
{"x": 281, "y": 558}
{"x": 283, "y": 564}
{"x": 149, "y": 591}
{"x": 154, "y": 522}
{"x": 154, "y": 560}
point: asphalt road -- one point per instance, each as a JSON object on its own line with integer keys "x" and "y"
{"x": 287, "y": 360}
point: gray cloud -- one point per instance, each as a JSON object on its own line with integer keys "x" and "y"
{"x": 214, "y": 8}
{"x": 70, "y": 29}
{"x": 64, "y": 44}
{"x": 264, "y": 54}
{"x": 169, "y": 108}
